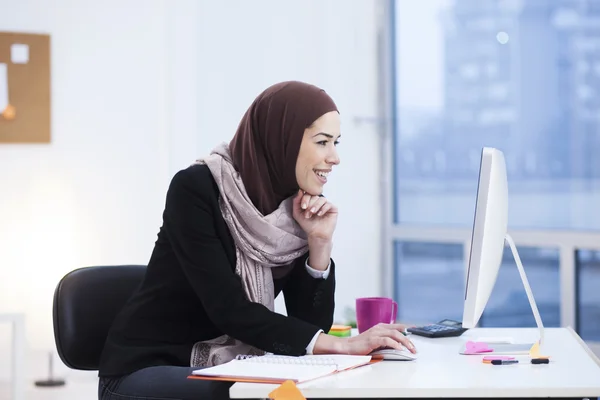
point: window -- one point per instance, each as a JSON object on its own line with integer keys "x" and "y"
{"x": 509, "y": 306}
{"x": 429, "y": 281}
{"x": 454, "y": 95}
{"x": 588, "y": 295}
{"x": 430, "y": 285}
{"x": 477, "y": 73}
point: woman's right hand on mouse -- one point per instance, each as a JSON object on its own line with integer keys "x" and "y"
{"x": 378, "y": 337}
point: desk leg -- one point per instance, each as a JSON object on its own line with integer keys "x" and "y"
{"x": 18, "y": 359}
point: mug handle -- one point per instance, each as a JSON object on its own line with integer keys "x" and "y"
{"x": 394, "y": 312}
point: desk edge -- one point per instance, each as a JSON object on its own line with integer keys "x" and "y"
{"x": 584, "y": 345}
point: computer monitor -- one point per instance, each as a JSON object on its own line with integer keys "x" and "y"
{"x": 488, "y": 238}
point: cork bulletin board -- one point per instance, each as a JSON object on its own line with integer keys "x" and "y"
{"x": 24, "y": 88}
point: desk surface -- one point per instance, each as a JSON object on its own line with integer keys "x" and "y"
{"x": 440, "y": 371}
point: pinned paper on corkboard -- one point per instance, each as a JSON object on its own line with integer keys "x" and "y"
{"x": 24, "y": 88}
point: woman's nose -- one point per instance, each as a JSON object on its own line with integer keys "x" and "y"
{"x": 333, "y": 157}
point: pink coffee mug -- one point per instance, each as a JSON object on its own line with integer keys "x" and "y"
{"x": 371, "y": 311}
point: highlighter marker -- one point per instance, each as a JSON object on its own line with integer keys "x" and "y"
{"x": 504, "y": 362}
{"x": 540, "y": 361}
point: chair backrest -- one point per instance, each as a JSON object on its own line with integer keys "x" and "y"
{"x": 86, "y": 302}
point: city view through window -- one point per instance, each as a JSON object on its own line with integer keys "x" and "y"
{"x": 519, "y": 75}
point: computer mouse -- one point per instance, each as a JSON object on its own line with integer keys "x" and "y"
{"x": 393, "y": 354}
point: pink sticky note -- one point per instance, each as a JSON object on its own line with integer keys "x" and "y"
{"x": 477, "y": 347}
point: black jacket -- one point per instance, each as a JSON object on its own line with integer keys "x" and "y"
{"x": 191, "y": 293}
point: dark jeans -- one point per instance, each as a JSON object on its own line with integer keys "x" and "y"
{"x": 161, "y": 383}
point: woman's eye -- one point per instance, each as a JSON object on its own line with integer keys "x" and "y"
{"x": 324, "y": 143}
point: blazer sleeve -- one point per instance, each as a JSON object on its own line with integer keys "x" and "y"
{"x": 310, "y": 299}
{"x": 189, "y": 223}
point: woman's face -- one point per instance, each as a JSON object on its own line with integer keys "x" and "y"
{"x": 318, "y": 154}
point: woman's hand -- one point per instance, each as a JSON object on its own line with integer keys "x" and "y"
{"x": 315, "y": 215}
{"x": 378, "y": 337}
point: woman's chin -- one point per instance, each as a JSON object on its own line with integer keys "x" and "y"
{"x": 312, "y": 190}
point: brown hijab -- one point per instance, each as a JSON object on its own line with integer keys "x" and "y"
{"x": 265, "y": 147}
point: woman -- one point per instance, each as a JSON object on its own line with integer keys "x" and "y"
{"x": 240, "y": 226}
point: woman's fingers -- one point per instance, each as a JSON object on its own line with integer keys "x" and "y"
{"x": 396, "y": 335}
{"x": 308, "y": 201}
{"x": 379, "y": 342}
{"x": 313, "y": 205}
{"x": 306, "y": 198}
{"x": 396, "y": 327}
{"x": 400, "y": 327}
{"x": 324, "y": 209}
{"x": 408, "y": 344}
{"x": 380, "y": 337}
{"x": 317, "y": 205}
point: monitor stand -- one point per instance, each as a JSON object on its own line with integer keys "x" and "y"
{"x": 515, "y": 348}
{"x": 536, "y": 313}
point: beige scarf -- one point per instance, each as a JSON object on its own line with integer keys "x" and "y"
{"x": 261, "y": 243}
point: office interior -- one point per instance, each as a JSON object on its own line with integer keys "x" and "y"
{"x": 141, "y": 89}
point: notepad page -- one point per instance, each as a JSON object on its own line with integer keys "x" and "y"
{"x": 253, "y": 370}
{"x": 342, "y": 361}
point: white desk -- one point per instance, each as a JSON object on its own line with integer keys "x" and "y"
{"x": 18, "y": 354}
{"x": 440, "y": 371}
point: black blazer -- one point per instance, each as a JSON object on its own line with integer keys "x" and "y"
{"x": 191, "y": 293}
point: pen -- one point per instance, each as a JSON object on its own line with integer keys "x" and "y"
{"x": 504, "y": 362}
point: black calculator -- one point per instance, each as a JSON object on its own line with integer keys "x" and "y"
{"x": 444, "y": 328}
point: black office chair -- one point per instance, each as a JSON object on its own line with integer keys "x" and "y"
{"x": 85, "y": 304}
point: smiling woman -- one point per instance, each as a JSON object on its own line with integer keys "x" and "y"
{"x": 240, "y": 226}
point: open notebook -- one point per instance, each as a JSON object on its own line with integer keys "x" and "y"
{"x": 278, "y": 369}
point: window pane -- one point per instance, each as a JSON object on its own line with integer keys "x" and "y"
{"x": 588, "y": 294}
{"x": 508, "y": 305}
{"x": 429, "y": 281}
{"x": 430, "y": 278}
{"x": 521, "y": 76}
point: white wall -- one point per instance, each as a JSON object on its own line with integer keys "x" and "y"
{"x": 94, "y": 195}
{"x": 139, "y": 90}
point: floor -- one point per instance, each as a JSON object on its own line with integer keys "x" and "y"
{"x": 78, "y": 387}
